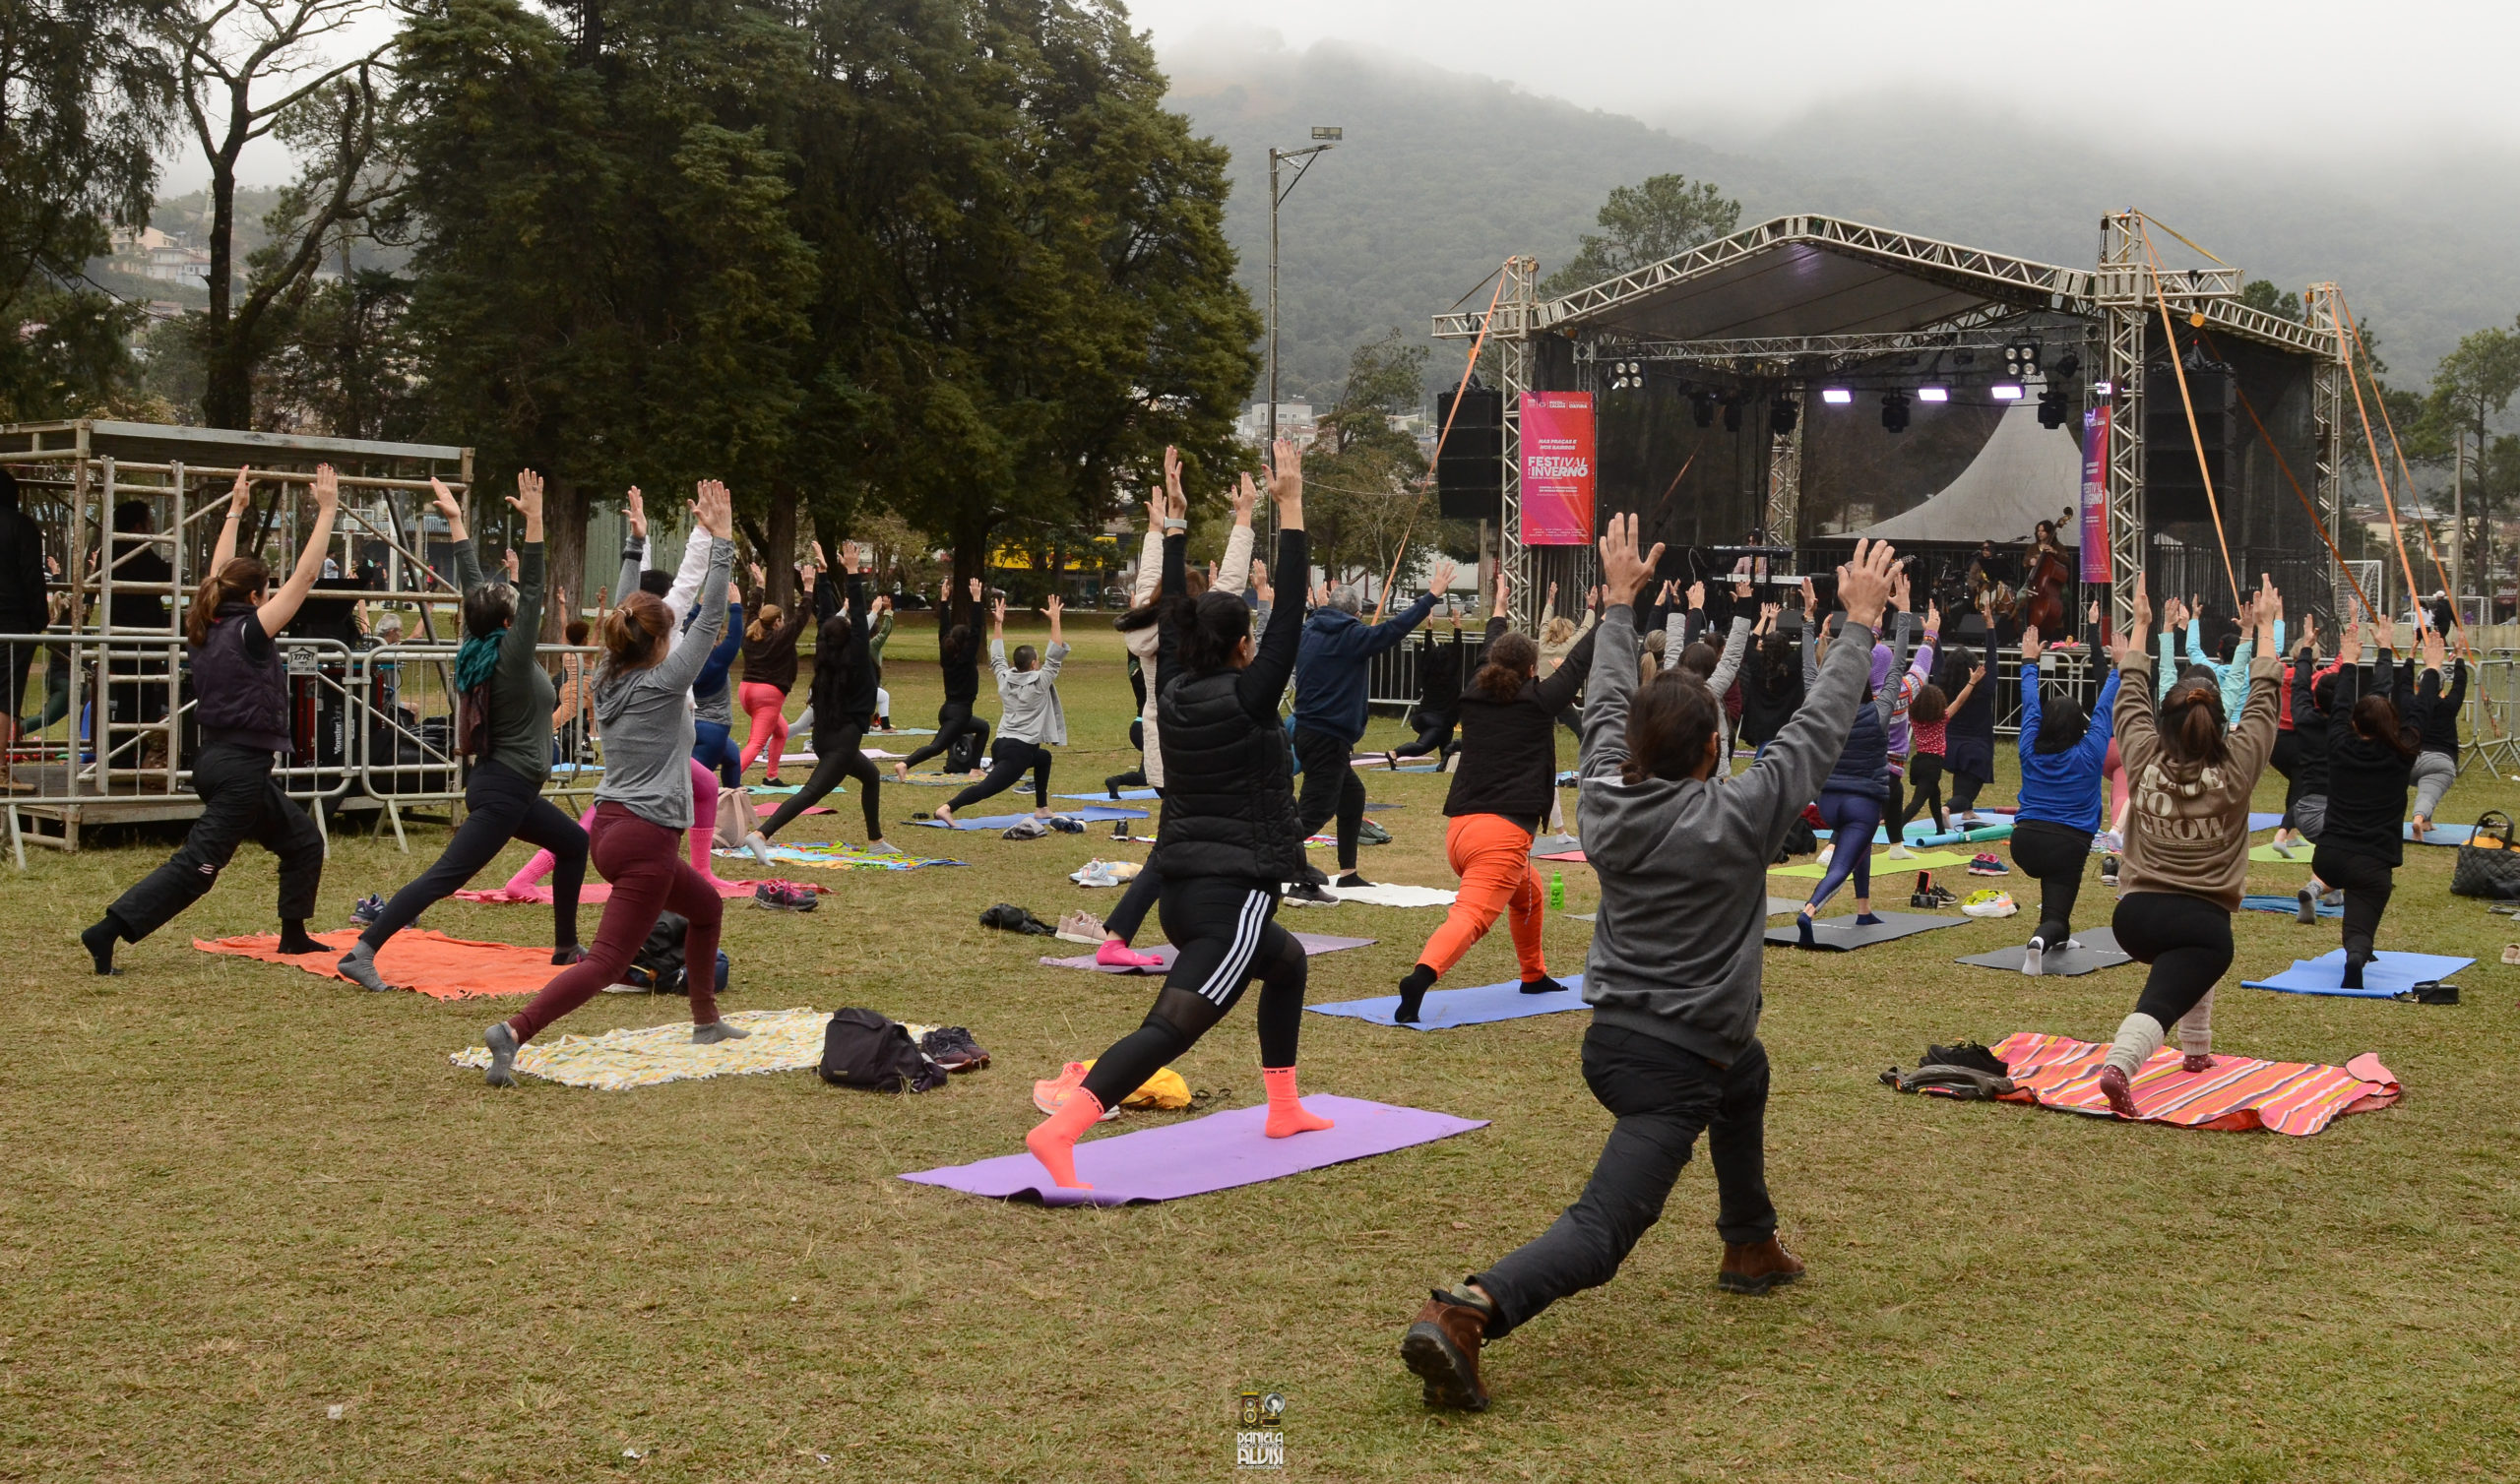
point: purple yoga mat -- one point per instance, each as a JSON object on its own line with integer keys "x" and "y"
{"x": 1314, "y": 944}
{"x": 1213, "y": 1154}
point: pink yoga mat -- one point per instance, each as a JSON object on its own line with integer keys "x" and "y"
{"x": 596, "y": 891}
{"x": 1201, "y": 1155}
{"x": 1314, "y": 944}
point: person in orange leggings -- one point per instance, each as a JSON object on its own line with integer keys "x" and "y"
{"x": 1500, "y": 795}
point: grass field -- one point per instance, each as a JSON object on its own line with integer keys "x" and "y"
{"x": 238, "y": 1196}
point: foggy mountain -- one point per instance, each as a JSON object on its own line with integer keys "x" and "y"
{"x": 1442, "y": 174}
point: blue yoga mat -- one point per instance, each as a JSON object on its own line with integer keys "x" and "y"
{"x": 2290, "y": 906}
{"x": 1001, "y": 821}
{"x": 1445, "y": 1008}
{"x": 2385, "y": 975}
{"x": 2257, "y": 821}
{"x": 1105, "y": 798}
{"x": 2442, "y": 835}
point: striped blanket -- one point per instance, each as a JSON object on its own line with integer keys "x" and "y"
{"x": 2240, "y": 1093}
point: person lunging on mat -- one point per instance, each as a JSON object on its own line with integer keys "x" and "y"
{"x": 242, "y": 708}
{"x": 770, "y": 673}
{"x": 2062, "y": 752}
{"x": 643, "y": 702}
{"x": 2187, "y": 859}
{"x": 1497, "y": 803}
{"x": 1674, "y": 974}
{"x": 1440, "y": 666}
{"x": 958, "y": 656}
{"x": 1030, "y": 720}
{"x": 495, "y": 670}
{"x": 2372, "y": 753}
{"x": 844, "y": 698}
{"x": 1141, "y": 630}
{"x": 2437, "y": 767}
{"x": 1229, "y": 839}
{"x": 1852, "y": 796}
{"x": 1330, "y": 714}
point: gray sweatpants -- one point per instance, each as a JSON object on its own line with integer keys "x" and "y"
{"x": 2433, "y": 773}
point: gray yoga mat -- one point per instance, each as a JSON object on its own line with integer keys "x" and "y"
{"x": 2099, "y": 951}
{"x": 1776, "y": 905}
{"x": 1840, "y": 934}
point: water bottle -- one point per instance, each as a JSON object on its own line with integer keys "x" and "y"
{"x": 1557, "y": 891}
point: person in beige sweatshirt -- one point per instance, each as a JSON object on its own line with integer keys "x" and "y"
{"x": 2186, "y": 860}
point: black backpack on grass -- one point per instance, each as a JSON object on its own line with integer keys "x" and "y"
{"x": 863, "y": 1049}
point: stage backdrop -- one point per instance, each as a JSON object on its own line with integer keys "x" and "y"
{"x": 2094, "y": 503}
{"x": 1557, "y": 469}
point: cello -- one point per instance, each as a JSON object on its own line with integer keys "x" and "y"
{"x": 2044, "y": 590}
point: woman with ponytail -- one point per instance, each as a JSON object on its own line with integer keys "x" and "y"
{"x": 242, "y": 708}
{"x": 643, "y": 701}
{"x": 2371, "y": 755}
{"x": 2186, "y": 860}
{"x": 844, "y": 701}
{"x": 1508, "y": 779}
{"x": 495, "y": 671}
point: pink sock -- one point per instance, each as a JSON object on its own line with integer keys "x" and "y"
{"x": 544, "y": 862}
{"x": 704, "y": 817}
{"x": 1286, "y": 1113}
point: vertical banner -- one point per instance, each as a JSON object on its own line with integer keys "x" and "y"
{"x": 1557, "y": 469}
{"x": 2095, "y": 501}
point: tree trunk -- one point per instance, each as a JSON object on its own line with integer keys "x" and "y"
{"x": 564, "y": 556}
{"x": 780, "y": 560}
{"x": 970, "y": 560}
{"x": 227, "y": 393}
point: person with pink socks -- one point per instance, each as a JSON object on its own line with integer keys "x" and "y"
{"x": 1229, "y": 840}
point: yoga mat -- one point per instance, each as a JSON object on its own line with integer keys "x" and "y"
{"x": 2257, "y": 821}
{"x": 2385, "y": 975}
{"x": 1383, "y": 893}
{"x": 2265, "y": 855}
{"x": 643, "y": 1056}
{"x": 786, "y": 758}
{"x": 2299, "y": 1098}
{"x": 2442, "y": 835}
{"x": 1557, "y": 847}
{"x": 1092, "y": 816}
{"x": 1882, "y": 864}
{"x": 1105, "y": 795}
{"x": 431, "y": 962}
{"x": 1196, "y": 1156}
{"x": 2290, "y": 906}
{"x": 1842, "y": 935}
{"x": 1445, "y": 1008}
{"x": 1314, "y": 944}
{"x": 1577, "y": 856}
{"x": 1775, "y": 905}
{"x": 838, "y": 856}
{"x": 1375, "y": 760}
{"x": 593, "y": 892}
{"x": 1922, "y": 832}
{"x": 904, "y": 732}
{"x": 2099, "y": 951}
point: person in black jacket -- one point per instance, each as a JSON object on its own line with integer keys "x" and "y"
{"x": 958, "y": 654}
{"x": 844, "y": 699}
{"x": 1229, "y": 838}
{"x": 244, "y": 715}
{"x": 1440, "y": 673}
{"x": 2372, "y": 753}
{"x": 2437, "y": 767}
{"x": 1507, "y": 780}
{"x": 24, "y": 609}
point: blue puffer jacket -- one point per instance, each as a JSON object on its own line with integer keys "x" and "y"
{"x": 1864, "y": 764}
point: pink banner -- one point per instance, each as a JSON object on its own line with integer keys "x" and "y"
{"x": 1557, "y": 469}
{"x": 2095, "y": 501}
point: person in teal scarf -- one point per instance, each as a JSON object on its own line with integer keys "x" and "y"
{"x": 503, "y": 800}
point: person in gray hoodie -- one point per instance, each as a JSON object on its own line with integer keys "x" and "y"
{"x": 1032, "y": 722}
{"x": 1674, "y": 973}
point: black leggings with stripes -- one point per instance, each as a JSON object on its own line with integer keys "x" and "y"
{"x": 1226, "y": 933}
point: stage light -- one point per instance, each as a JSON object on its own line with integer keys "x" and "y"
{"x": 1837, "y": 397}
{"x": 1782, "y": 415}
{"x": 1934, "y": 394}
{"x": 2067, "y": 365}
{"x": 2105, "y": 388}
{"x": 2006, "y": 393}
{"x": 1732, "y": 413}
{"x": 2021, "y": 359}
{"x": 1894, "y": 411}
{"x": 2052, "y": 410}
{"x": 1702, "y": 409}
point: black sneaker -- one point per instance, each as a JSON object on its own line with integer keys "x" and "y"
{"x": 952, "y": 1048}
{"x": 1304, "y": 893}
{"x": 369, "y": 908}
{"x": 1352, "y": 880}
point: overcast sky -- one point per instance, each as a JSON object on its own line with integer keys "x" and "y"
{"x": 2261, "y": 72}
{"x": 2288, "y": 76}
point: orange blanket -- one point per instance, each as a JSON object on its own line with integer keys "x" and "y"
{"x": 2240, "y": 1093}
{"x": 439, "y": 967}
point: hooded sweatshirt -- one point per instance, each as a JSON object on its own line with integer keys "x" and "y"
{"x": 1683, "y": 864}
{"x": 1031, "y": 698}
{"x": 1329, "y": 667}
{"x": 2188, "y": 832}
{"x": 2063, "y": 788}
{"x": 646, "y": 715}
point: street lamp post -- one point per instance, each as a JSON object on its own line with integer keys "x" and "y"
{"x": 1325, "y": 138}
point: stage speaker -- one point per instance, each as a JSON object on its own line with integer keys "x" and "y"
{"x": 1469, "y": 480}
{"x": 2173, "y": 482}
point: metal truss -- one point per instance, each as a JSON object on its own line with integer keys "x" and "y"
{"x": 2122, "y": 321}
{"x": 1784, "y": 518}
{"x": 1987, "y": 327}
{"x": 2327, "y": 451}
{"x": 1514, "y": 355}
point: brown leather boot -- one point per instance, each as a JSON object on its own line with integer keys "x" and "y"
{"x": 1441, "y": 1348}
{"x": 1756, "y": 1266}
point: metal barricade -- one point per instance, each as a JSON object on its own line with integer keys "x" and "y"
{"x": 2493, "y": 712}
{"x": 408, "y": 752}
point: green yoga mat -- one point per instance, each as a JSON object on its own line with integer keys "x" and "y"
{"x": 2265, "y": 855}
{"x": 1882, "y": 864}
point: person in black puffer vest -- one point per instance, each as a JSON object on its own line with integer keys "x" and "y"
{"x": 243, "y": 713}
{"x": 1229, "y": 838}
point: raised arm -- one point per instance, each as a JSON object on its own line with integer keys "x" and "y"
{"x": 281, "y": 606}
{"x": 1613, "y": 682}
{"x": 1149, "y": 555}
{"x": 1802, "y": 754}
{"x": 1735, "y": 644}
{"x": 1055, "y": 653}
{"x": 1273, "y": 660}
{"x": 515, "y": 651}
{"x": 1234, "y": 573}
{"x": 696, "y": 560}
{"x": 467, "y": 561}
{"x": 714, "y": 512}
{"x": 634, "y": 550}
{"x": 240, "y": 496}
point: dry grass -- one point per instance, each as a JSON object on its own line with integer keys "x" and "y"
{"x": 238, "y": 1196}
